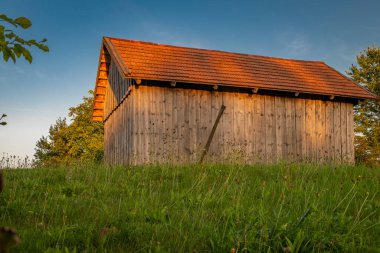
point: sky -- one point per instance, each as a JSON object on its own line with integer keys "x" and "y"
{"x": 35, "y": 95}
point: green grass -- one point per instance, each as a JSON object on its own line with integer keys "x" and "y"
{"x": 209, "y": 208}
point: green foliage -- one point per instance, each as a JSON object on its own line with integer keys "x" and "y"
{"x": 82, "y": 140}
{"x": 13, "y": 46}
{"x": 2, "y": 122}
{"x": 194, "y": 208}
{"x": 367, "y": 113}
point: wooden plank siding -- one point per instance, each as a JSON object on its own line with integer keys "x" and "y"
{"x": 153, "y": 124}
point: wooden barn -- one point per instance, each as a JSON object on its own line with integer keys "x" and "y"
{"x": 169, "y": 104}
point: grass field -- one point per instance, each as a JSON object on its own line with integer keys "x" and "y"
{"x": 194, "y": 208}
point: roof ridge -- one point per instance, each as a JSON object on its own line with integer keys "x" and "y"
{"x": 213, "y": 50}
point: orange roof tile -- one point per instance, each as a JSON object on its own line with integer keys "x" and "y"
{"x": 149, "y": 61}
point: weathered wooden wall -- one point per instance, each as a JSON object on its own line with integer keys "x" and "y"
{"x": 171, "y": 125}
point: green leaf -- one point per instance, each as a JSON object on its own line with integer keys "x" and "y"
{"x": 25, "y": 52}
{"x": 2, "y": 36}
{"x": 12, "y": 55}
{"x": 27, "y": 56}
{"x": 6, "y": 54}
{"x": 3, "y": 123}
{"x": 8, "y": 20}
{"x": 43, "y": 47}
{"x": 23, "y": 22}
{"x": 10, "y": 35}
{"x": 20, "y": 40}
{"x": 17, "y": 50}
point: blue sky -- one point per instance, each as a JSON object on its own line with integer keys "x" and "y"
{"x": 35, "y": 95}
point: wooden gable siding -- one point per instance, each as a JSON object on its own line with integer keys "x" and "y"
{"x": 116, "y": 119}
{"x": 171, "y": 125}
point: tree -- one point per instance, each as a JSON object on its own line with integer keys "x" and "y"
{"x": 82, "y": 140}
{"x": 367, "y": 113}
{"x": 13, "y": 46}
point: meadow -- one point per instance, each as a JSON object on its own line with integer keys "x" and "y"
{"x": 194, "y": 208}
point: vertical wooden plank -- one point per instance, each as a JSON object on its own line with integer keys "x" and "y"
{"x": 109, "y": 141}
{"x": 181, "y": 124}
{"x": 290, "y": 132}
{"x": 175, "y": 125}
{"x": 127, "y": 132}
{"x": 235, "y": 128}
{"x": 205, "y": 120}
{"x": 154, "y": 124}
{"x": 239, "y": 123}
{"x": 122, "y": 133}
{"x": 114, "y": 139}
{"x": 350, "y": 135}
{"x": 109, "y": 134}
{"x": 134, "y": 126}
{"x": 146, "y": 100}
{"x": 166, "y": 124}
{"x": 138, "y": 126}
{"x": 343, "y": 129}
{"x": 323, "y": 133}
{"x": 319, "y": 124}
{"x": 260, "y": 125}
{"x": 249, "y": 130}
{"x": 186, "y": 126}
{"x": 125, "y": 137}
{"x": 270, "y": 132}
{"x": 329, "y": 132}
{"x": 310, "y": 131}
{"x": 216, "y": 103}
{"x": 220, "y": 141}
{"x": 228, "y": 124}
{"x": 162, "y": 117}
{"x": 142, "y": 116}
{"x": 337, "y": 133}
{"x": 132, "y": 120}
{"x": 116, "y": 133}
{"x": 193, "y": 125}
{"x": 118, "y": 122}
{"x": 121, "y": 136}
{"x": 280, "y": 127}
{"x": 105, "y": 142}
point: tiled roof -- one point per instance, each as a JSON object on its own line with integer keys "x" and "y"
{"x": 171, "y": 63}
{"x": 149, "y": 61}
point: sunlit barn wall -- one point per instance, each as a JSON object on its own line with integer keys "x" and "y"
{"x": 154, "y": 124}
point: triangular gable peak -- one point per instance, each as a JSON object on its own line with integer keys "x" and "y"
{"x": 107, "y": 52}
{"x": 149, "y": 61}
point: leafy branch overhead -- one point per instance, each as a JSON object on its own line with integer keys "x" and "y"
{"x": 3, "y": 123}
{"x": 13, "y": 46}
